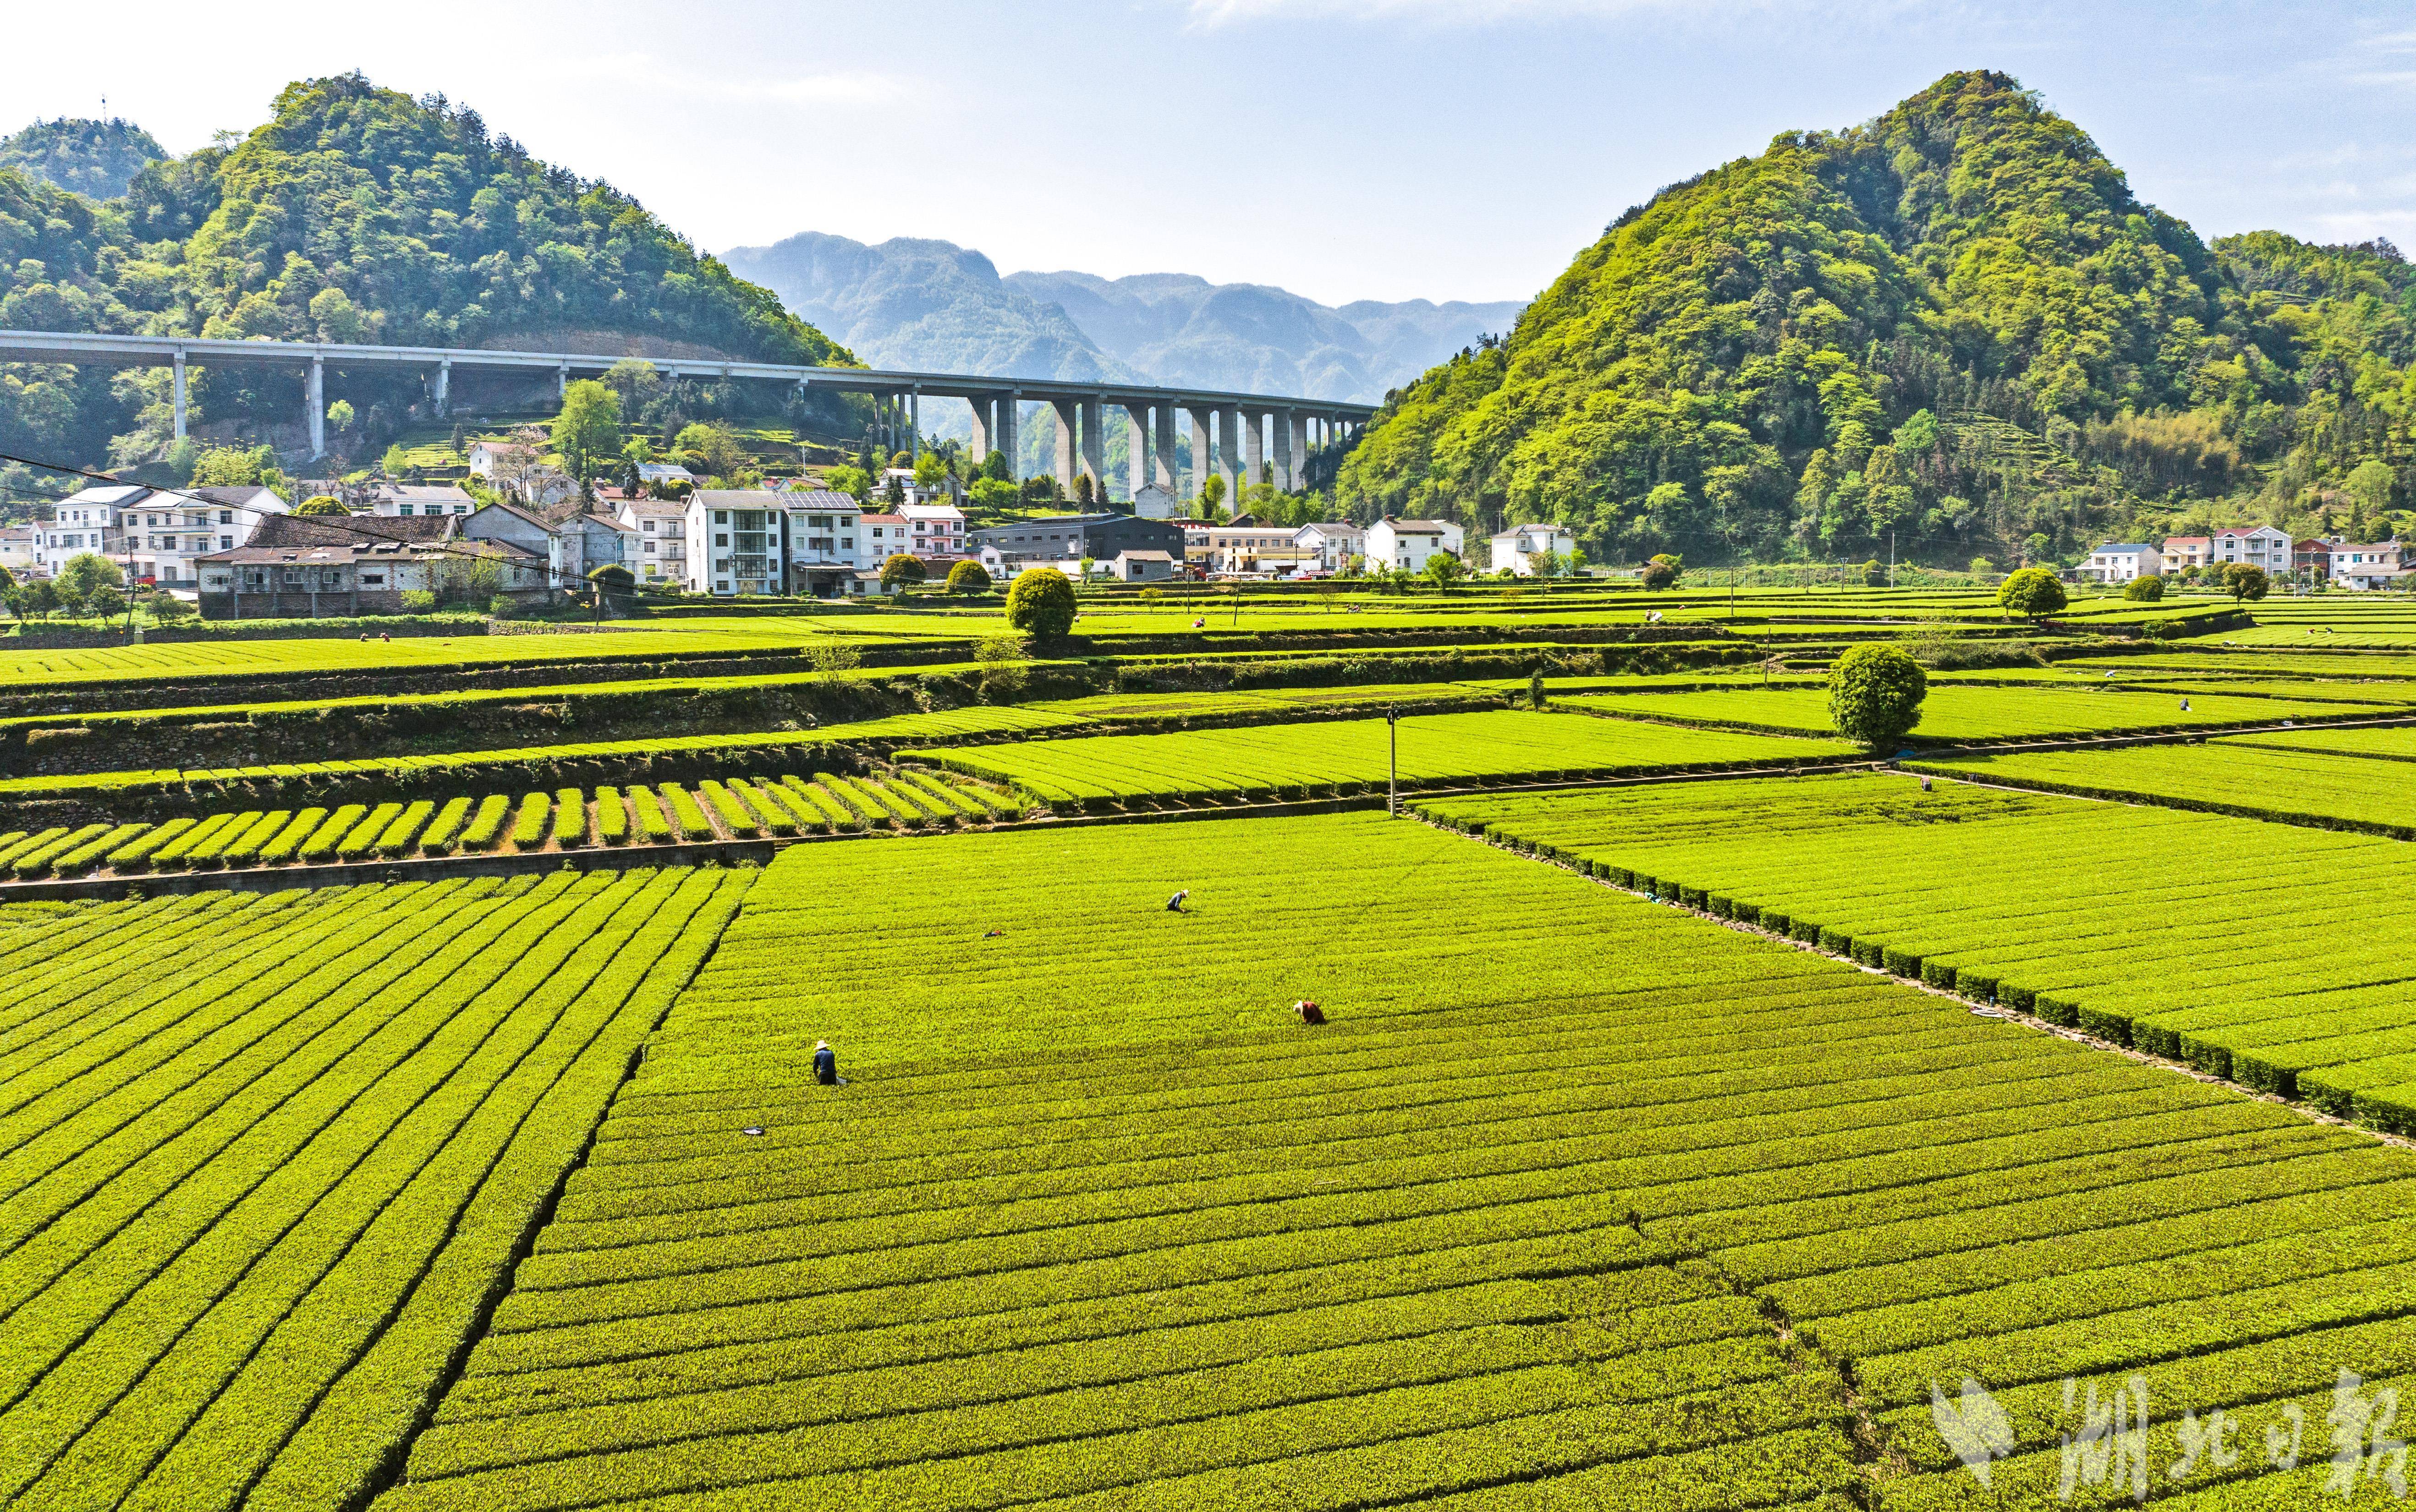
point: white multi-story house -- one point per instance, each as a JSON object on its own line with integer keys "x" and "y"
{"x": 167, "y": 534}
{"x": 2382, "y": 565}
{"x": 1334, "y": 541}
{"x": 885, "y": 535}
{"x": 1410, "y": 543}
{"x": 2263, "y": 547}
{"x": 656, "y": 542}
{"x": 2122, "y": 561}
{"x": 89, "y": 519}
{"x": 1518, "y": 547}
{"x": 939, "y": 528}
{"x": 734, "y": 540}
{"x": 823, "y": 526}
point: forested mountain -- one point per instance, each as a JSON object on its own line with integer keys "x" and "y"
{"x": 1953, "y": 322}
{"x": 354, "y": 214}
{"x": 96, "y": 158}
{"x": 935, "y": 305}
{"x": 927, "y": 306}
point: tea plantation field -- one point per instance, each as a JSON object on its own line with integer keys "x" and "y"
{"x": 2258, "y": 777}
{"x": 1304, "y": 760}
{"x": 266, "y": 1157}
{"x": 1596, "y": 1205}
{"x": 2042, "y": 903}
{"x": 1955, "y": 713}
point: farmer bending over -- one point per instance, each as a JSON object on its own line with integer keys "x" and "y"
{"x": 1174, "y": 904}
{"x": 826, "y": 1063}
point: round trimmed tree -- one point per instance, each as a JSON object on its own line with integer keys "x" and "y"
{"x": 1875, "y": 693}
{"x": 2032, "y": 593}
{"x": 322, "y": 504}
{"x": 1041, "y": 603}
{"x": 2145, "y": 590}
{"x": 967, "y": 577}
{"x": 902, "y": 570}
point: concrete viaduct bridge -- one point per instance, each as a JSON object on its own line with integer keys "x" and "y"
{"x": 1239, "y": 436}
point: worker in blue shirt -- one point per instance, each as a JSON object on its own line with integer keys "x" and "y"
{"x": 826, "y": 1063}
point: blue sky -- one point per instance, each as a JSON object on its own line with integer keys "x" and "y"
{"x": 1347, "y": 149}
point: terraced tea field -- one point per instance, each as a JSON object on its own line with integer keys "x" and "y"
{"x": 565, "y": 820}
{"x": 1596, "y": 1206}
{"x": 1352, "y": 755}
{"x": 2255, "y": 776}
{"x": 2043, "y": 904}
{"x": 1953, "y": 713}
{"x": 266, "y": 1157}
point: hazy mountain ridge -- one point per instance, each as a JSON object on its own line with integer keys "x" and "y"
{"x": 928, "y": 305}
{"x": 935, "y": 305}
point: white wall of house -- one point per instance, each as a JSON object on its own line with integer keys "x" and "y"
{"x": 1410, "y": 543}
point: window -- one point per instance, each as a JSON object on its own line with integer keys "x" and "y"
{"x": 650, "y": 548}
{"x": 721, "y": 538}
{"x": 649, "y": 527}
{"x": 371, "y": 580}
{"x": 226, "y": 517}
{"x": 721, "y": 516}
{"x": 403, "y": 509}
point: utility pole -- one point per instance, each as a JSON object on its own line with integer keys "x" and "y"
{"x": 1393, "y": 786}
{"x": 1891, "y": 556}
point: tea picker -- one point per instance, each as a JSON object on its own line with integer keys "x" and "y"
{"x": 1174, "y": 904}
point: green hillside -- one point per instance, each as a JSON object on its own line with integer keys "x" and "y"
{"x": 354, "y": 214}
{"x": 1954, "y": 321}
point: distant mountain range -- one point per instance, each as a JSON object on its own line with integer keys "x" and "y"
{"x": 935, "y": 305}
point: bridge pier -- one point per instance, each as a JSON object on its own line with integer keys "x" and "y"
{"x": 1010, "y": 432}
{"x": 444, "y": 389}
{"x": 318, "y": 402}
{"x": 180, "y": 393}
{"x": 562, "y": 382}
{"x": 1094, "y": 445}
{"x": 1254, "y": 444}
{"x": 1285, "y": 478}
{"x": 985, "y": 407}
{"x": 1065, "y": 408}
{"x": 1136, "y": 448}
{"x": 915, "y": 422}
{"x": 1162, "y": 471}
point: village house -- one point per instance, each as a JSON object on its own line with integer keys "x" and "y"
{"x": 822, "y": 527}
{"x": 1518, "y": 549}
{"x": 411, "y": 499}
{"x": 2122, "y": 561}
{"x": 2365, "y": 567}
{"x": 657, "y": 540}
{"x": 1408, "y": 544}
{"x": 166, "y": 533}
{"x": 1243, "y": 546}
{"x": 298, "y": 567}
{"x": 1334, "y": 541}
{"x": 734, "y": 541}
